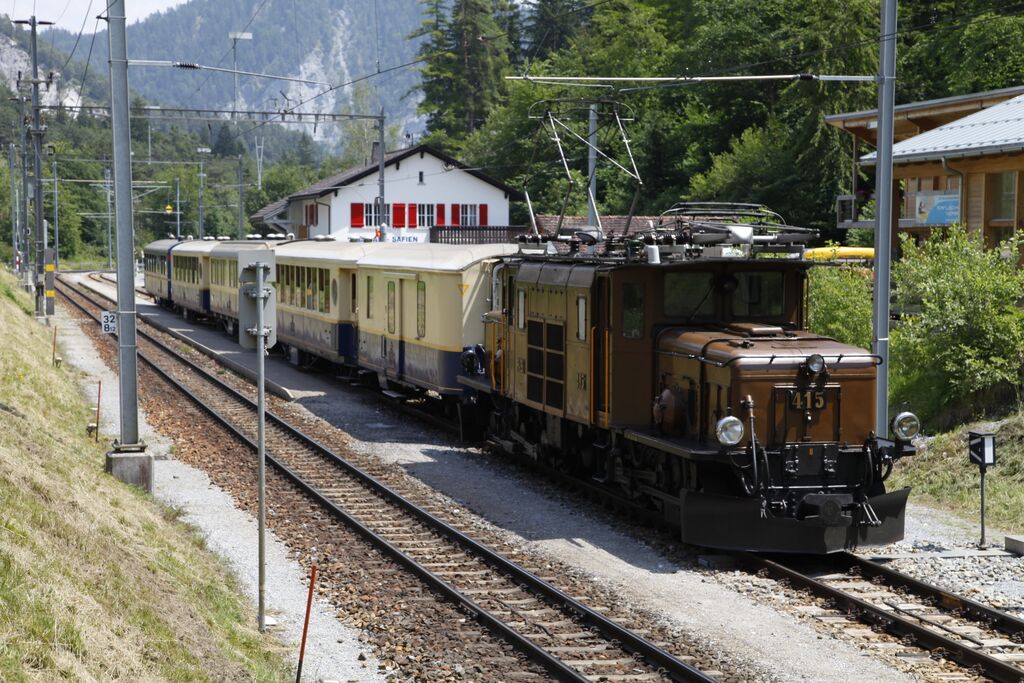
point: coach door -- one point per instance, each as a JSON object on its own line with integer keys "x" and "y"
{"x": 394, "y": 338}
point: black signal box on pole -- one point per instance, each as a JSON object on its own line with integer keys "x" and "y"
{"x": 982, "y": 448}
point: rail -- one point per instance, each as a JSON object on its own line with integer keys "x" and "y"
{"x": 675, "y": 668}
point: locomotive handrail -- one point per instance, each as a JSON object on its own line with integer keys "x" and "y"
{"x": 771, "y": 357}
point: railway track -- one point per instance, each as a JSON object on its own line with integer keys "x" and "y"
{"x": 568, "y": 639}
{"x": 980, "y": 638}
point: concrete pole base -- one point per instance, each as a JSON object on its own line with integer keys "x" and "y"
{"x": 131, "y": 468}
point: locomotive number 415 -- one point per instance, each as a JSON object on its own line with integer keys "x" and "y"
{"x": 807, "y": 400}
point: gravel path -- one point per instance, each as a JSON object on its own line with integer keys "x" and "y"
{"x": 333, "y": 651}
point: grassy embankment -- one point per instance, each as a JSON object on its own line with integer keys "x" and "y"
{"x": 942, "y": 476}
{"x": 98, "y": 581}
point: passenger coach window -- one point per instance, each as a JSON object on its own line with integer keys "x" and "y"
{"x": 521, "y": 308}
{"x": 421, "y": 309}
{"x": 759, "y": 294}
{"x": 391, "y": 307}
{"x": 369, "y": 297}
{"x": 632, "y": 310}
{"x": 355, "y": 301}
{"x": 689, "y": 295}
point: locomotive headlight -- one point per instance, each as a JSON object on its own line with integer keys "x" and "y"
{"x": 815, "y": 363}
{"x": 729, "y": 430}
{"x": 906, "y": 426}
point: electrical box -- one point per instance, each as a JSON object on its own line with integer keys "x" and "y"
{"x": 49, "y": 268}
{"x": 249, "y": 264}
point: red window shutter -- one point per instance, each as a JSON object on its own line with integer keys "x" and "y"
{"x": 455, "y": 214}
{"x": 412, "y": 216}
{"x": 439, "y": 217}
{"x": 357, "y": 215}
{"x": 483, "y": 214}
{"x": 398, "y": 215}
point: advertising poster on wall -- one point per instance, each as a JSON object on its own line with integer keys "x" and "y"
{"x": 937, "y": 208}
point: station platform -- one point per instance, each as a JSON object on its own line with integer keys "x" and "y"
{"x": 282, "y": 378}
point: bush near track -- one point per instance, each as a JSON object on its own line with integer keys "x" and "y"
{"x": 97, "y": 581}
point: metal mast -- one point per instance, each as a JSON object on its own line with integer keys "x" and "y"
{"x": 884, "y": 212}
{"x": 37, "y": 170}
{"x": 133, "y": 468}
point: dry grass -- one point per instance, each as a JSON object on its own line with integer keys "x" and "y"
{"x": 97, "y": 581}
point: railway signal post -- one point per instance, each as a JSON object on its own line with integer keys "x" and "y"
{"x": 982, "y": 449}
{"x": 256, "y": 306}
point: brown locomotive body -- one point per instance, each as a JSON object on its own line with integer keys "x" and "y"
{"x": 621, "y": 368}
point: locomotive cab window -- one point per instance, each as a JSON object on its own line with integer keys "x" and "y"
{"x": 689, "y": 294}
{"x": 521, "y": 308}
{"x": 632, "y": 310}
{"x": 758, "y": 294}
{"x": 581, "y": 318}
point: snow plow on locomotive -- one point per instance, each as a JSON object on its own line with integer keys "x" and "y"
{"x": 675, "y": 368}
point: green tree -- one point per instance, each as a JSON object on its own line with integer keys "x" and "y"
{"x": 839, "y": 303}
{"x": 466, "y": 57}
{"x": 967, "y": 341}
{"x": 551, "y": 26}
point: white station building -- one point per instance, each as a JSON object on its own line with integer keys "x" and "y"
{"x": 423, "y": 187}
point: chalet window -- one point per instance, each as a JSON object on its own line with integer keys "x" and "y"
{"x": 632, "y": 310}
{"x": 468, "y": 214}
{"x": 421, "y": 177}
{"x": 425, "y": 214}
{"x": 421, "y": 309}
{"x": 371, "y": 216}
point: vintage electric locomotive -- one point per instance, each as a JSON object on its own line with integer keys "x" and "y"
{"x": 674, "y": 367}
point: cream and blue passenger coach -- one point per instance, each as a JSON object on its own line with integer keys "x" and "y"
{"x": 419, "y": 305}
{"x": 316, "y": 297}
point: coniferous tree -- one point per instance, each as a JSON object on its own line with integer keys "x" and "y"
{"x": 551, "y": 26}
{"x": 466, "y": 57}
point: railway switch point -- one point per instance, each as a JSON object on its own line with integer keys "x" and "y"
{"x": 132, "y": 465}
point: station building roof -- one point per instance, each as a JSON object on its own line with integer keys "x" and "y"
{"x": 996, "y": 130}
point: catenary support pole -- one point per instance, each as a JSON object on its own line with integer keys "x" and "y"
{"x": 26, "y": 240}
{"x": 37, "y": 179}
{"x": 381, "y": 219}
{"x": 110, "y": 218}
{"x": 592, "y": 166}
{"x": 241, "y": 198}
{"x": 177, "y": 208}
{"x": 884, "y": 210}
{"x": 126, "y": 461}
{"x": 15, "y": 242}
{"x": 56, "y": 219}
{"x": 202, "y": 178}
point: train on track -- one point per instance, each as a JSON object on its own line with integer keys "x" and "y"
{"x": 671, "y": 366}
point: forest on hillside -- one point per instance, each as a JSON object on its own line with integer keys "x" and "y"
{"x": 757, "y": 141}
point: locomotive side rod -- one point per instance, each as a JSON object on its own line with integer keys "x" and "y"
{"x": 889, "y": 620}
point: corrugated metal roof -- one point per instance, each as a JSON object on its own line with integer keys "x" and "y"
{"x": 997, "y": 130}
